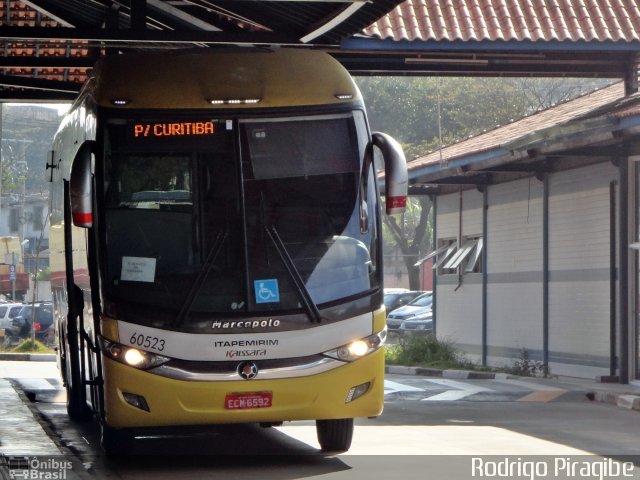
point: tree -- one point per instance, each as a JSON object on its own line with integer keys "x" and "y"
{"x": 426, "y": 113}
{"x": 412, "y": 235}
{"x": 423, "y": 113}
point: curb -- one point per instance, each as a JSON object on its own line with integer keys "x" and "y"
{"x": 451, "y": 374}
{"x": 621, "y": 400}
{"x": 28, "y": 357}
{"x": 630, "y": 402}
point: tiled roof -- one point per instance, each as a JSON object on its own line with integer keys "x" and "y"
{"x": 534, "y": 20}
{"x": 498, "y": 137}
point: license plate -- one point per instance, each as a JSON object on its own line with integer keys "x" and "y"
{"x": 240, "y": 401}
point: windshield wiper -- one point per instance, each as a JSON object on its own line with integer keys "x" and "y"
{"x": 301, "y": 288}
{"x": 200, "y": 279}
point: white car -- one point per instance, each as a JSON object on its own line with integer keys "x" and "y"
{"x": 7, "y": 313}
{"x": 421, "y": 324}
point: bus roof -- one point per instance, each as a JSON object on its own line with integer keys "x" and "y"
{"x": 207, "y": 78}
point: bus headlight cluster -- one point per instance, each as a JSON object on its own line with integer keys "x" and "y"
{"x": 358, "y": 348}
{"x": 131, "y": 356}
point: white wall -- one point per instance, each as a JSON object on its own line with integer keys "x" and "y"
{"x": 514, "y": 268}
{"x": 459, "y": 300}
{"x": 579, "y": 266}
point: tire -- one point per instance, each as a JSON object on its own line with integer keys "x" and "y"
{"x": 335, "y": 435}
{"x": 115, "y": 441}
{"x": 77, "y": 408}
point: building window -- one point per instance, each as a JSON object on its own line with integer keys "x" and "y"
{"x": 474, "y": 262}
{"x": 446, "y": 249}
{"x": 450, "y": 259}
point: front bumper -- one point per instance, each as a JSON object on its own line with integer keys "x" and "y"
{"x": 175, "y": 402}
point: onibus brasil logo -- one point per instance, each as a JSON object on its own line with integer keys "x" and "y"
{"x": 35, "y": 468}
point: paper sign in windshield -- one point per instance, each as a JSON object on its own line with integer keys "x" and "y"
{"x": 138, "y": 269}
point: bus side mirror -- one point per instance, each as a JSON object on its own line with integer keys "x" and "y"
{"x": 80, "y": 188}
{"x": 395, "y": 172}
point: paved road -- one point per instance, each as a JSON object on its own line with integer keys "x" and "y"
{"x": 429, "y": 425}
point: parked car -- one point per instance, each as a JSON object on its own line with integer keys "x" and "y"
{"x": 21, "y": 324}
{"x": 8, "y": 312}
{"x": 417, "y": 307}
{"x": 419, "y": 325}
{"x": 396, "y": 298}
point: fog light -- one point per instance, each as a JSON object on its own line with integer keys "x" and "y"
{"x": 357, "y": 391}
{"x": 137, "y": 401}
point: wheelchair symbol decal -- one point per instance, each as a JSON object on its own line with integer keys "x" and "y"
{"x": 267, "y": 290}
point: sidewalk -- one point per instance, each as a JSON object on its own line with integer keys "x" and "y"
{"x": 27, "y": 437}
{"x": 623, "y": 396}
{"x": 26, "y": 447}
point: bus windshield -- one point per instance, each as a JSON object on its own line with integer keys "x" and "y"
{"x": 247, "y": 216}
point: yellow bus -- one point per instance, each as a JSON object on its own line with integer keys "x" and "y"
{"x": 216, "y": 243}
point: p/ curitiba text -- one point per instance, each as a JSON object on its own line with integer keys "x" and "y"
{"x": 580, "y": 467}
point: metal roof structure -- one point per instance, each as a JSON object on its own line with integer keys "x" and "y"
{"x": 582, "y": 38}
{"x": 49, "y": 45}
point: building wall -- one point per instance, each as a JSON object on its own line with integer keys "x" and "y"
{"x": 579, "y": 269}
{"x": 514, "y": 270}
{"x": 459, "y": 297}
{"x": 579, "y": 266}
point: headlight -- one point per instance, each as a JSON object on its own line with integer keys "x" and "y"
{"x": 358, "y": 348}
{"x": 131, "y": 356}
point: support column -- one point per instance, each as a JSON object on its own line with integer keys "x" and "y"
{"x": 485, "y": 274}
{"x": 623, "y": 269}
{"x": 545, "y": 271}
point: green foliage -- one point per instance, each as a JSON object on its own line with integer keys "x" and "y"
{"x": 525, "y": 367}
{"x": 44, "y": 274}
{"x": 27, "y": 133}
{"x": 426, "y": 351}
{"x": 406, "y": 225}
{"x": 28, "y": 346}
{"x": 423, "y": 113}
{"x": 411, "y": 233}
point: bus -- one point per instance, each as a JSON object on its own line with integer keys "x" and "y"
{"x": 215, "y": 243}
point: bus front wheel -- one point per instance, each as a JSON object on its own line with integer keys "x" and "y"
{"x": 77, "y": 408}
{"x": 335, "y": 435}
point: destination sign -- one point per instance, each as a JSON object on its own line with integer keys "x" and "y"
{"x": 172, "y": 129}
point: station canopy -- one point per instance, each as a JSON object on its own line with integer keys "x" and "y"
{"x": 48, "y": 46}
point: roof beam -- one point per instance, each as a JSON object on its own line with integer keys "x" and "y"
{"x": 602, "y": 65}
{"x": 182, "y": 16}
{"x": 329, "y": 24}
{"x": 54, "y": 12}
{"x": 138, "y": 11}
{"x": 47, "y": 62}
{"x": 39, "y": 84}
{"x": 520, "y": 167}
{"x": 31, "y": 96}
{"x": 480, "y": 179}
{"x": 419, "y": 189}
{"x": 144, "y": 36}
